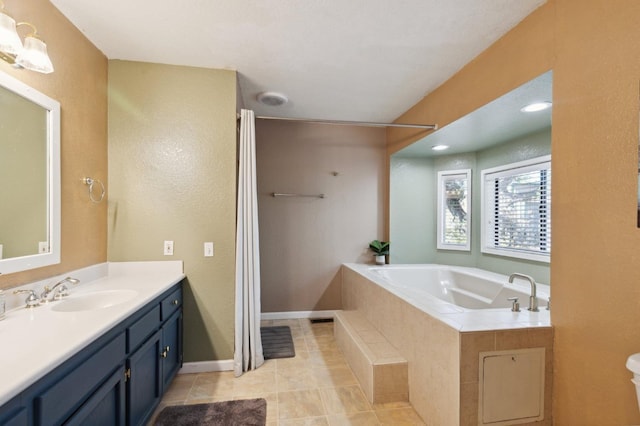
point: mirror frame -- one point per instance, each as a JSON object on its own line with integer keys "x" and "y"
{"x": 52, "y": 257}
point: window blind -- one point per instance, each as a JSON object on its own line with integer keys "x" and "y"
{"x": 520, "y": 209}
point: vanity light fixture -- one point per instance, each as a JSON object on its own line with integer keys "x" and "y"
{"x": 536, "y": 106}
{"x": 440, "y": 147}
{"x": 31, "y": 55}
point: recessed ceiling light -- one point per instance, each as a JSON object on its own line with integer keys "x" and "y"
{"x": 272, "y": 98}
{"x": 440, "y": 147}
{"x": 536, "y": 106}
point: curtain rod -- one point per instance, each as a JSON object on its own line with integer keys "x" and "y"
{"x": 350, "y": 123}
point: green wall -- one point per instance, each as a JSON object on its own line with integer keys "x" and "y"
{"x": 412, "y": 199}
{"x": 413, "y": 215}
{"x": 172, "y": 176}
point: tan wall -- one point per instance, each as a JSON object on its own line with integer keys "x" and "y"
{"x": 526, "y": 52}
{"x": 172, "y": 175}
{"x": 303, "y": 241}
{"x": 596, "y": 245}
{"x": 593, "y": 48}
{"x": 79, "y": 83}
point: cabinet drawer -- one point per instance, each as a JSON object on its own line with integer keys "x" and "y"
{"x": 171, "y": 303}
{"x": 64, "y": 397}
{"x": 143, "y": 328}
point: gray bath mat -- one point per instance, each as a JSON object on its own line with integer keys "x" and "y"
{"x": 277, "y": 342}
{"x": 246, "y": 412}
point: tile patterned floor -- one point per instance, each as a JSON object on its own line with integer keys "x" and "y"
{"x": 315, "y": 388}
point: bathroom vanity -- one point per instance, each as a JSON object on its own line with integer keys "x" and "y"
{"x": 104, "y": 355}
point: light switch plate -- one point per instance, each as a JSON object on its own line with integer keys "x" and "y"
{"x": 168, "y": 248}
{"x": 208, "y": 249}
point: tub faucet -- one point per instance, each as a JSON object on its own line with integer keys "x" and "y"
{"x": 60, "y": 286}
{"x": 533, "y": 299}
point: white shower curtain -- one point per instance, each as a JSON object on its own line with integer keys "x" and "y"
{"x": 248, "y": 344}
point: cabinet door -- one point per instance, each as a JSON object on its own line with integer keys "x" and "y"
{"x": 105, "y": 407}
{"x": 14, "y": 413}
{"x": 144, "y": 386}
{"x": 171, "y": 348}
{"x": 17, "y": 419}
{"x": 60, "y": 399}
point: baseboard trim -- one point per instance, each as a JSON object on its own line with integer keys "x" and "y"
{"x": 206, "y": 366}
{"x": 297, "y": 315}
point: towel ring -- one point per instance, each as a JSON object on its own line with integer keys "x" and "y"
{"x": 90, "y": 181}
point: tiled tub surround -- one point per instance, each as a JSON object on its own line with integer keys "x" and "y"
{"x": 442, "y": 342}
{"x": 379, "y": 367}
{"x": 39, "y": 339}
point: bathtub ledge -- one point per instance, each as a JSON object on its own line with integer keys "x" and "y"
{"x": 461, "y": 319}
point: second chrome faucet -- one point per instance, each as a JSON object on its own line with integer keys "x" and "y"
{"x": 533, "y": 299}
{"x": 59, "y": 289}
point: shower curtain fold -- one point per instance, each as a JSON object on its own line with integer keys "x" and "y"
{"x": 248, "y": 344}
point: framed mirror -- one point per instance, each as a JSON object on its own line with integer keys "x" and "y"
{"x": 29, "y": 177}
{"x": 454, "y": 213}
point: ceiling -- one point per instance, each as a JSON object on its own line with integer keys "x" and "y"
{"x": 361, "y": 60}
{"x": 496, "y": 122}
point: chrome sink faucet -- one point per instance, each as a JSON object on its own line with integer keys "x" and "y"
{"x": 61, "y": 288}
{"x": 32, "y": 300}
{"x": 533, "y": 299}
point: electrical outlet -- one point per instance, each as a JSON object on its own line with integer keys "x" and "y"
{"x": 208, "y": 249}
{"x": 168, "y": 248}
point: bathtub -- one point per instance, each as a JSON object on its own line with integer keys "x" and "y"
{"x": 444, "y": 320}
{"x": 469, "y": 299}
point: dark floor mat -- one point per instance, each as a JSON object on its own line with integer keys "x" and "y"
{"x": 277, "y": 342}
{"x": 228, "y": 413}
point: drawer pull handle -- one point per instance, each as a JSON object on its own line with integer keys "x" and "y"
{"x": 175, "y": 302}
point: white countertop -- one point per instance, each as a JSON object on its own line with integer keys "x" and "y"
{"x": 35, "y": 341}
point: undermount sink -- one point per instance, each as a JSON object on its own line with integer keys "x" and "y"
{"x": 94, "y": 301}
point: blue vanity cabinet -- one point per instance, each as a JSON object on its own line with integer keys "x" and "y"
{"x": 171, "y": 314}
{"x": 14, "y": 413}
{"x": 117, "y": 380}
{"x": 152, "y": 365}
{"x": 105, "y": 407}
{"x": 77, "y": 383}
{"x": 171, "y": 348}
{"x": 144, "y": 380}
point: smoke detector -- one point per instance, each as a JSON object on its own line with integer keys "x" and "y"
{"x": 272, "y": 99}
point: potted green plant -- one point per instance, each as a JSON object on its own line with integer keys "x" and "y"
{"x": 380, "y": 249}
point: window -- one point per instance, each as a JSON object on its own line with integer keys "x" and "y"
{"x": 454, "y": 213}
{"x": 516, "y": 212}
